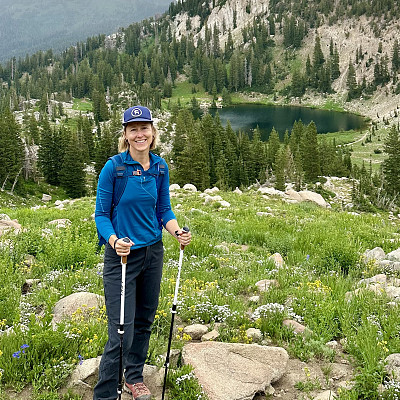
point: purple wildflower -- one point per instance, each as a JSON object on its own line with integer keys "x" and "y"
{"x": 17, "y": 354}
{"x": 80, "y": 359}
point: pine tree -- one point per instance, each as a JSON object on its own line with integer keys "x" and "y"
{"x": 310, "y": 153}
{"x": 395, "y": 57}
{"x": 351, "y": 82}
{"x": 274, "y": 144}
{"x": 11, "y": 149}
{"x": 72, "y": 174}
{"x": 391, "y": 165}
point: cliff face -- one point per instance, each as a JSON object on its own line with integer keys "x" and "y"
{"x": 349, "y": 35}
{"x": 244, "y": 11}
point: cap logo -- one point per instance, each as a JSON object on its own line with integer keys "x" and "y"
{"x": 136, "y": 112}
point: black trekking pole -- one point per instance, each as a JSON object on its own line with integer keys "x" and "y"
{"x": 173, "y": 312}
{"x": 124, "y": 260}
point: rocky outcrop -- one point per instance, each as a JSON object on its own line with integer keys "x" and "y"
{"x": 82, "y": 302}
{"x": 231, "y": 371}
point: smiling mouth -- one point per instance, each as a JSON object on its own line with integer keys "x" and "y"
{"x": 141, "y": 141}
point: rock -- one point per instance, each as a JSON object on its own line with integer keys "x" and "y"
{"x": 326, "y": 395}
{"x": 195, "y": 331}
{"x": 377, "y": 279}
{"x": 61, "y": 223}
{"x": 270, "y": 191}
{"x": 277, "y": 259}
{"x": 5, "y": 217}
{"x": 264, "y": 214}
{"x": 211, "y": 199}
{"x": 46, "y": 197}
{"x": 190, "y": 188}
{"x": 254, "y": 299}
{"x": 9, "y": 225}
{"x": 174, "y": 187}
{"x": 307, "y": 195}
{"x": 254, "y": 334}
{"x": 237, "y": 191}
{"x": 85, "y": 374}
{"x": 376, "y": 253}
{"x": 29, "y": 283}
{"x": 394, "y": 255}
{"x": 393, "y": 365}
{"x": 230, "y": 371}
{"x": 58, "y": 202}
{"x": 212, "y": 191}
{"x": 265, "y": 284}
{"x": 67, "y": 306}
{"x": 333, "y": 344}
{"x": 293, "y": 195}
{"x": 222, "y": 247}
{"x": 296, "y": 326}
{"x": 212, "y": 335}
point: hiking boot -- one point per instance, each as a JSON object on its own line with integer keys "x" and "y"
{"x": 138, "y": 390}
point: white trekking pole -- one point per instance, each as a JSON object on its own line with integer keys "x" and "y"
{"x": 124, "y": 260}
{"x": 173, "y": 310}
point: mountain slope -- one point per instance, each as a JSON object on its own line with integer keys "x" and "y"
{"x": 26, "y": 27}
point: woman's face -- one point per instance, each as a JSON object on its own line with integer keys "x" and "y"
{"x": 139, "y": 136}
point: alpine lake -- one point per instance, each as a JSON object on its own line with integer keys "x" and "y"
{"x": 246, "y": 117}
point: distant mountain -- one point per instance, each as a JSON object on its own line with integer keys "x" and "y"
{"x": 27, "y": 26}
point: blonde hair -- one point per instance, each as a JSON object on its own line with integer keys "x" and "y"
{"x": 123, "y": 144}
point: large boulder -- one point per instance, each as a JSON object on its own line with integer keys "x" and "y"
{"x": 232, "y": 371}
{"x": 82, "y": 302}
{"x": 7, "y": 225}
{"x": 376, "y": 253}
{"x": 307, "y": 195}
{"x": 394, "y": 255}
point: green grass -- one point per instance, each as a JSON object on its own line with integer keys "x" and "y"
{"x": 321, "y": 249}
{"x": 83, "y": 105}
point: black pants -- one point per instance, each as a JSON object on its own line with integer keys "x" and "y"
{"x": 143, "y": 278}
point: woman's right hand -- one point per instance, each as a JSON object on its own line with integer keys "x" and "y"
{"x": 122, "y": 246}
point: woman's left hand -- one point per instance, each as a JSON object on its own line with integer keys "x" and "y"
{"x": 183, "y": 237}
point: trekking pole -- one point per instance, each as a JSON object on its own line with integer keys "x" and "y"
{"x": 124, "y": 260}
{"x": 173, "y": 312}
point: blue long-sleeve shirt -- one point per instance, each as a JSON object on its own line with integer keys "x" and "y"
{"x": 135, "y": 216}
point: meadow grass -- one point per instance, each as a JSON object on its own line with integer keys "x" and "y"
{"x": 83, "y": 105}
{"x": 229, "y": 253}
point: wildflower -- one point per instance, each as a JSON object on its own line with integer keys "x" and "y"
{"x": 81, "y": 358}
{"x": 17, "y": 354}
{"x": 1, "y": 353}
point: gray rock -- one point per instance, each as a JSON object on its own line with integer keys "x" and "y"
{"x": 265, "y": 284}
{"x": 212, "y": 335}
{"x": 46, "y": 197}
{"x": 293, "y": 195}
{"x": 230, "y": 371}
{"x": 5, "y": 217}
{"x": 376, "y": 253}
{"x": 195, "y": 331}
{"x": 326, "y": 395}
{"x": 9, "y": 225}
{"x": 393, "y": 365}
{"x": 307, "y": 195}
{"x": 190, "y": 188}
{"x": 296, "y": 326}
{"x": 67, "y": 306}
{"x": 61, "y": 223}
{"x": 394, "y": 255}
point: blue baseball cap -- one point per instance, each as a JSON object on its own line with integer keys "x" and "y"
{"x": 137, "y": 114}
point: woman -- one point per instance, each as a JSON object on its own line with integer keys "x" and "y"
{"x": 139, "y": 214}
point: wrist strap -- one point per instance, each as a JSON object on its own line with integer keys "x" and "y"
{"x": 115, "y": 242}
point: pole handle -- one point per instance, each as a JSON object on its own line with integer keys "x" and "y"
{"x": 124, "y": 259}
{"x": 185, "y": 229}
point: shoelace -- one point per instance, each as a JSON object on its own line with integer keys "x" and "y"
{"x": 141, "y": 388}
